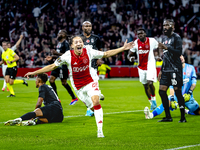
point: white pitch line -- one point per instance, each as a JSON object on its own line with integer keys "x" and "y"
{"x": 107, "y": 113}
{"x": 183, "y": 147}
{"x": 104, "y": 114}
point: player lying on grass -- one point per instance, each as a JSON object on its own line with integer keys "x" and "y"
{"x": 83, "y": 78}
{"x": 189, "y": 83}
{"x": 51, "y": 112}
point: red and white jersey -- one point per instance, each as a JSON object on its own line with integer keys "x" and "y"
{"x": 80, "y": 71}
{"x": 145, "y": 53}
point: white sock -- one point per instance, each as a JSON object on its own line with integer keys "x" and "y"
{"x": 4, "y": 84}
{"x": 98, "y": 113}
{"x": 88, "y": 108}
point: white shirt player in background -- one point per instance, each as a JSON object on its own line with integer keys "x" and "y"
{"x": 83, "y": 78}
{"x": 144, "y": 47}
{"x": 4, "y": 66}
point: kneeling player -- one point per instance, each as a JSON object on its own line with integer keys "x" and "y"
{"x": 51, "y": 112}
{"x": 189, "y": 84}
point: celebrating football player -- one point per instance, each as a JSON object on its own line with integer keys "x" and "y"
{"x": 83, "y": 78}
{"x": 144, "y": 47}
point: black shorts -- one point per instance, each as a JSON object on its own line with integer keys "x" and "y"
{"x": 172, "y": 78}
{"x": 61, "y": 72}
{"x": 53, "y": 112}
{"x": 12, "y": 72}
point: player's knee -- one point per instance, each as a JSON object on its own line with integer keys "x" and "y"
{"x": 95, "y": 100}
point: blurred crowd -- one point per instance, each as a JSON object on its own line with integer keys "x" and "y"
{"x": 113, "y": 21}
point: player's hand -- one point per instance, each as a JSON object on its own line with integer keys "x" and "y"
{"x": 21, "y": 36}
{"x": 29, "y": 74}
{"x": 174, "y": 105}
{"x": 161, "y": 46}
{"x": 186, "y": 97}
{"x": 9, "y": 62}
{"x": 99, "y": 62}
{"x": 159, "y": 76}
{"x": 48, "y": 58}
{"x": 129, "y": 45}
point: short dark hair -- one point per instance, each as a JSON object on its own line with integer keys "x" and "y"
{"x": 72, "y": 37}
{"x": 141, "y": 29}
{"x": 64, "y": 31}
{"x": 169, "y": 20}
{"x": 43, "y": 77}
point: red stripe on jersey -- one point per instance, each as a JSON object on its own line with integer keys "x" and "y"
{"x": 80, "y": 69}
{"x": 143, "y": 53}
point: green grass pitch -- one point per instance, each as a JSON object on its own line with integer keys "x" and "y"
{"x": 124, "y": 126}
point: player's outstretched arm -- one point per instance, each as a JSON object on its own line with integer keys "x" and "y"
{"x": 19, "y": 41}
{"x": 43, "y": 70}
{"x": 118, "y": 50}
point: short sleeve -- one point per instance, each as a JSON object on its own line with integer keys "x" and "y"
{"x": 155, "y": 43}
{"x": 94, "y": 53}
{"x": 42, "y": 92}
{"x": 134, "y": 49}
{"x": 14, "y": 47}
{"x": 12, "y": 53}
{"x": 63, "y": 59}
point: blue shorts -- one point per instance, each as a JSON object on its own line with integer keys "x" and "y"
{"x": 192, "y": 104}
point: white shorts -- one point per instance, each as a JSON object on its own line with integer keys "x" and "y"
{"x": 4, "y": 67}
{"x": 150, "y": 75}
{"x": 86, "y": 92}
{"x": 102, "y": 76}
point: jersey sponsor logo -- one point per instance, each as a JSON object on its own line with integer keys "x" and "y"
{"x": 92, "y": 40}
{"x": 143, "y": 51}
{"x": 140, "y": 47}
{"x": 75, "y": 63}
{"x": 88, "y": 41}
{"x": 80, "y": 69}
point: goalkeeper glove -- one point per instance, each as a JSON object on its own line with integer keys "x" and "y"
{"x": 174, "y": 104}
{"x": 187, "y": 96}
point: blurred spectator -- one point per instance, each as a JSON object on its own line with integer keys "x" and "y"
{"x": 36, "y": 11}
{"x": 113, "y": 21}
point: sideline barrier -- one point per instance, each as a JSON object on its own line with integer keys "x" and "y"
{"x": 116, "y": 71}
